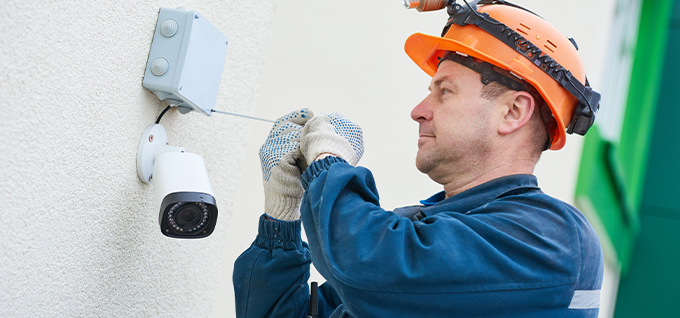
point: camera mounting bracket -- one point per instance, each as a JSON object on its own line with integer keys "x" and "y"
{"x": 154, "y": 142}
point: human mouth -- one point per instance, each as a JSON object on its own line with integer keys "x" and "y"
{"x": 425, "y": 135}
{"x": 424, "y": 138}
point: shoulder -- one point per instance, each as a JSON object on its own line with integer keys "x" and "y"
{"x": 559, "y": 223}
{"x": 533, "y": 205}
{"x": 541, "y": 213}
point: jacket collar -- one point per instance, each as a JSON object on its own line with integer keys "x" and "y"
{"x": 473, "y": 198}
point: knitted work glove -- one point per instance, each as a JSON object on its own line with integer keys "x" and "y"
{"x": 280, "y": 174}
{"x": 332, "y": 133}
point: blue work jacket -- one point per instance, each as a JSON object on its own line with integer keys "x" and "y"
{"x": 501, "y": 249}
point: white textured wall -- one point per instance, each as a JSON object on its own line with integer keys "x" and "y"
{"x": 79, "y": 233}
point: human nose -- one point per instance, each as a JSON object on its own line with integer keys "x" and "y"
{"x": 422, "y": 111}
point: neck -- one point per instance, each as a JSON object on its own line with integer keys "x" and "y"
{"x": 468, "y": 181}
{"x": 504, "y": 163}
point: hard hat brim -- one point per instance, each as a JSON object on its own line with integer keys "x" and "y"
{"x": 426, "y": 51}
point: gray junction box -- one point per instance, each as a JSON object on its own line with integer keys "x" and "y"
{"x": 186, "y": 60}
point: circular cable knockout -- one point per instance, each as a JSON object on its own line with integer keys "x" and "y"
{"x": 159, "y": 66}
{"x": 169, "y": 28}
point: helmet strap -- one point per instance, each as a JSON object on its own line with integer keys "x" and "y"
{"x": 488, "y": 71}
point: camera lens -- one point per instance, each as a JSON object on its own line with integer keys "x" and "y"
{"x": 188, "y": 217}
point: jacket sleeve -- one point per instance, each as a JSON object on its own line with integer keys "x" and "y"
{"x": 270, "y": 277}
{"x": 375, "y": 259}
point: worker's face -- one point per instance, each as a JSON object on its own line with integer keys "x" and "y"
{"x": 456, "y": 123}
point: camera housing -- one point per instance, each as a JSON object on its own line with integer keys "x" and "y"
{"x": 181, "y": 186}
{"x": 184, "y": 195}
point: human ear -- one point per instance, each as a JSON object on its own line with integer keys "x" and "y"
{"x": 519, "y": 108}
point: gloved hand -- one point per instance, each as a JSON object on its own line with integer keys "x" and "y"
{"x": 281, "y": 176}
{"x": 332, "y": 133}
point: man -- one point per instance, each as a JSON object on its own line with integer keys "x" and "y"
{"x": 490, "y": 245}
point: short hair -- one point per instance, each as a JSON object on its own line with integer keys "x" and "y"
{"x": 497, "y": 81}
{"x": 540, "y": 137}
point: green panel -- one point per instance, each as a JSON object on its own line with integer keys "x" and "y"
{"x": 597, "y": 195}
{"x": 611, "y": 178}
{"x": 650, "y": 289}
{"x": 642, "y": 98}
{"x": 662, "y": 185}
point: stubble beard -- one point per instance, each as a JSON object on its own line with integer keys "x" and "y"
{"x": 427, "y": 162}
{"x": 439, "y": 165}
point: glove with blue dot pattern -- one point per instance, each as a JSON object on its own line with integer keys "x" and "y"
{"x": 332, "y": 133}
{"x": 280, "y": 173}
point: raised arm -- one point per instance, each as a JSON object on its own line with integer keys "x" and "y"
{"x": 270, "y": 277}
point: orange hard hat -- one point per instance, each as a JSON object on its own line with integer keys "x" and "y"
{"x": 517, "y": 40}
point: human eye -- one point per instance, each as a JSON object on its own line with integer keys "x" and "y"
{"x": 445, "y": 92}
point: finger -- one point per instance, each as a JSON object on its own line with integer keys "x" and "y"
{"x": 350, "y": 130}
{"x": 283, "y": 129}
{"x": 277, "y": 146}
{"x": 301, "y": 116}
{"x": 272, "y": 152}
{"x": 298, "y": 117}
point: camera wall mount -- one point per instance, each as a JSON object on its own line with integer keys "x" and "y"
{"x": 154, "y": 142}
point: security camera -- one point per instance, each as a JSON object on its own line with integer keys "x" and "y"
{"x": 181, "y": 186}
{"x": 183, "y": 192}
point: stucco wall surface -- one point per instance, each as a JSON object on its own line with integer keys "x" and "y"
{"x": 79, "y": 232}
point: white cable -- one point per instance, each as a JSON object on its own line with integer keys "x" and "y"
{"x": 244, "y": 116}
